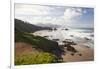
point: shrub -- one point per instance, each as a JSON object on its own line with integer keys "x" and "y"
{"x": 39, "y": 58}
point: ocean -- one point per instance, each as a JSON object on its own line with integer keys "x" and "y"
{"x": 81, "y": 36}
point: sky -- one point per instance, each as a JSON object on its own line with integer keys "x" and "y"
{"x": 56, "y": 15}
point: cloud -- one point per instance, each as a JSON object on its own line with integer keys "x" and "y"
{"x": 68, "y": 15}
{"x": 37, "y": 14}
{"x": 35, "y": 10}
{"x": 72, "y": 13}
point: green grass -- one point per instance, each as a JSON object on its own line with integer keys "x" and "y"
{"x": 39, "y": 58}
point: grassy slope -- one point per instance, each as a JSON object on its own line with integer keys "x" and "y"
{"x": 36, "y": 41}
{"x": 47, "y": 47}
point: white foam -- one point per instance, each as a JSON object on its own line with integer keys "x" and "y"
{"x": 60, "y": 34}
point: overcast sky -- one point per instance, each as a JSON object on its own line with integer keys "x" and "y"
{"x": 58, "y": 15}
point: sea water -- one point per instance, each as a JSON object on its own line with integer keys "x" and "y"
{"x": 81, "y": 36}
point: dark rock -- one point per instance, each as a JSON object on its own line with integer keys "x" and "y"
{"x": 87, "y": 38}
{"x": 45, "y": 36}
{"x": 66, "y": 29}
{"x": 71, "y": 49}
{"x": 80, "y": 54}
{"x": 55, "y": 29}
{"x": 64, "y": 41}
{"x": 92, "y": 35}
{"x": 72, "y": 54}
{"x": 55, "y": 39}
{"x": 70, "y": 43}
{"x": 71, "y": 35}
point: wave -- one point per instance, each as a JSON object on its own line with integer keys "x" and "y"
{"x": 76, "y": 35}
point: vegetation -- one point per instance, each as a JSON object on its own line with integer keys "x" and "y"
{"x": 36, "y": 41}
{"x": 22, "y": 34}
{"x": 27, "y": 27}
{"x": 39, "y": 58}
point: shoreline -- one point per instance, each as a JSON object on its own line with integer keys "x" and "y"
{"x": 87, "y": 54}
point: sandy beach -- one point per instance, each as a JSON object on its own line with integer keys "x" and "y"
{"x": 83, "y": 54}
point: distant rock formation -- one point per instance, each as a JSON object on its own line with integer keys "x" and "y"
{"x": 55, "y": 29}
{"x": 66, "y": 29}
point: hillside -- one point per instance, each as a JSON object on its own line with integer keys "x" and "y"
{"x": 27, "y": 42}
{"x": 36, "y": 41}
{"x": 27, "y": 27}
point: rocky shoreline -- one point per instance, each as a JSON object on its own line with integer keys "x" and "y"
{"x": 75, "y": 52}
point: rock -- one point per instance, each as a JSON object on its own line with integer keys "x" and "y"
{"x": 69, "y": 42}
{"x": 92, "y": 35}
{"x": 55, "y": 39}
{"x": 72, "y": 54}
{"x": 45, "y": 36}
{"x": 71, "y": 49}
{"x": 80, "y": 54}
{"x": 71, "y": 35}
{"x": 87, "y": 38}
{"x": 66, "y": 29}
{"x": 64, "y": 41}
{"x": 55, "y": 29}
